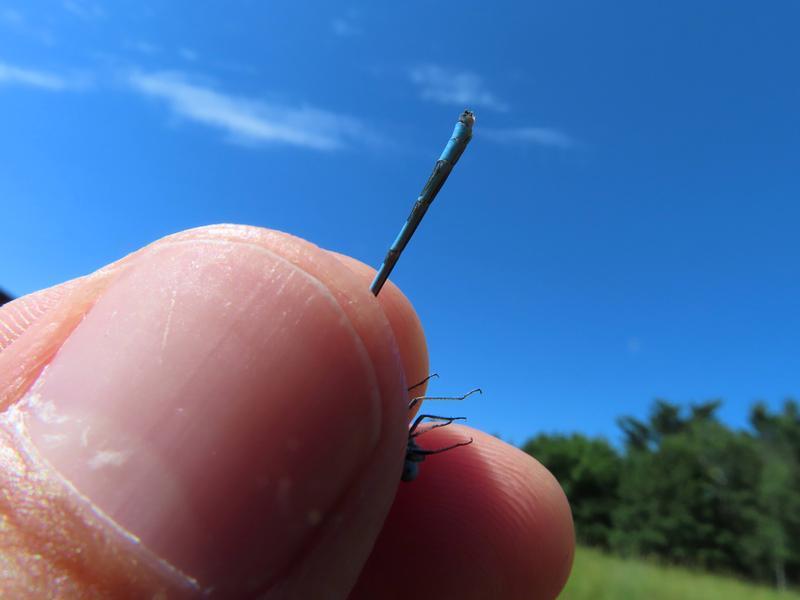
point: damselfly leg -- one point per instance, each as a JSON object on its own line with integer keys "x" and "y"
{"x": 416, "y": 454}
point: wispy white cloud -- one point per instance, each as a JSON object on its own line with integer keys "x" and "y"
{"x": 344, "y": 28}
{"x": 238, "y": 68}
{"x": 12, "y": 17}
{"x": 84, "y": 9}
{"x": 346, "y": 25}
{"x": 143, "y": 47}
{"x": 251, "y": 121}
{"x": 541, "y": 136}
{"x": 187, "y": 54}
{"x": 16, "y": 21}
{"x": 46, "y": 80}
{"x": 462, "y": 88}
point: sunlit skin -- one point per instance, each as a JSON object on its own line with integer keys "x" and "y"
{"x": 236, "y": 398}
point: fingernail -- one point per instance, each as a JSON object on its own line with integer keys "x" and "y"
{"x": 196, "y": 406}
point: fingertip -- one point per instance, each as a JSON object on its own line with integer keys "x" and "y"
{"x": 483, "y": 521}
{"x": 403, "y": 319}
{"x": 284, "y": 381}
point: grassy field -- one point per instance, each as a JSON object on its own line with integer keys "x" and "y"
{"x": 598, "y": 576}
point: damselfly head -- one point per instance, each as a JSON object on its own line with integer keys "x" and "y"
{"x": 467, "y": 118}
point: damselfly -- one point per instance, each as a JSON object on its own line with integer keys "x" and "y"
{"x": 462, "y": 134}
{"x": 416, "y": 454}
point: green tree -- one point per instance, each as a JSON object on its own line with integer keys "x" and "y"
{"x": 687, "y": 495}
{"x": 589, "y": 471}
{"x": 776, "y": 544}
{"x": 689, "y": 490}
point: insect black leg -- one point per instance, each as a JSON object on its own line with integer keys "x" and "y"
{"x": 420, "y": 452}
{"x": 428, "y": 378}
{"x": 420, "y": 418}
{"x": 412, "y": 431}
{"x": 437, "y": 425}
{"x": 415, "y": 401}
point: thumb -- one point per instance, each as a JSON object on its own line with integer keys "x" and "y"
{"x": 228, "y": 415}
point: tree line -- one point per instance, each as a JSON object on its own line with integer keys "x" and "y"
{"x": 686, "y": 489}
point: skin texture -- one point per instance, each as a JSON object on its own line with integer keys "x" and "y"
{"x": 224, "y": 411}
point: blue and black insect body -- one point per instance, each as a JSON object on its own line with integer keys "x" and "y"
{"x": 455, "y": 147}
{"x": 416, "y": 454}
{"x": 462, "y": 134}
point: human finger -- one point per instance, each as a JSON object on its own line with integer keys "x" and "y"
{"x": 481, "y": 521}
{"x": 231, "y": 397}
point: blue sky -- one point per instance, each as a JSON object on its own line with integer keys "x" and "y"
{"x": 624, "y": 225}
